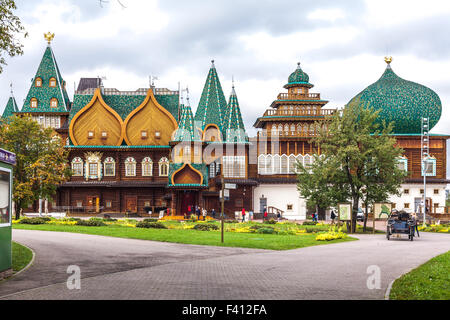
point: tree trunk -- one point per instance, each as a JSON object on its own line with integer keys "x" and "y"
{"x": 366, "y": 215}
{"x": 354, "y": 213}
{"x": 321, "y": 211}
{"x": 18, "y": 209}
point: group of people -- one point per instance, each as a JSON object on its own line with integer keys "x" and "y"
{"x": 199, "y": 211}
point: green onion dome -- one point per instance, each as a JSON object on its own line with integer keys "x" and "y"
{"x": 298, "y": 77}
{"x": 401, "y": 101}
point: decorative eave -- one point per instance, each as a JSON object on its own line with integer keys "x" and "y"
{"x": 275, "y": 103}
{"x": 122, "y": 147}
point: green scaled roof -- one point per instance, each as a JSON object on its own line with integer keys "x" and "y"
{"x": 48, "y": 68}
{"x": 401, "y": 101}
{"x": 124, "y": 104}
{"x": 10, "y": 108}
{"x": 186, "y": 130}
{"x": 233, "y": 124}
{"x": 298, "y": 77}
{"x": 212, "y": 106}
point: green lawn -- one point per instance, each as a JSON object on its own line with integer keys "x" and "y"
{"x": 430, "y": 281}
{"x": 232, "y": 239}
{"x": 21, "y": 256}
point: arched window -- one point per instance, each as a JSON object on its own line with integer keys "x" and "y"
{"x": 299, "y": 129}
{"x": 93, "y": 166}
{"x": 268, "y": 167}
{"x": 292, "y": 164}
{"x": 52, "y": 82}
{"x": 284, "y": 164}
{"x": 54, "y": 103}
{"x": 147, "y": 167}
{"x": 276, "y": 164}
{"x": 286, "y": 129}
{"x": 261, "y": 164}
{"x": 274, "y": 130}
{"x": 77, "y": 167}
{"x": 38, "y": 82}
{"x": 292, "y": 129}
{"x": 110, "y": 167}
{"x": 164, "y": 167}
{"x": 33, "y": 103}
{"x": 130, "y": 167}
{"x": 280, "y": 129}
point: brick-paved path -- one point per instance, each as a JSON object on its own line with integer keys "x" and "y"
{"x": 115, "y": 268}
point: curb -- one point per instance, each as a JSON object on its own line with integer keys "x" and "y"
{"x": 28, "y": 265}
{"x": 388, "y": 290}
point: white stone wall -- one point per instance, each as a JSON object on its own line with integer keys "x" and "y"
{"x": 280, "y": 196}
{"x": 414, "y": 194}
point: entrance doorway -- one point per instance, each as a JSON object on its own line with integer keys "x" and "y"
{"x": 262, "y": 204}
{"x": 93, "y": 204}
{"x": 188, "y": 198}
{"x": 131, "y": 204}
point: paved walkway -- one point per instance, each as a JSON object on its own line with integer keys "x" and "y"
{"x": 115, "y": 268}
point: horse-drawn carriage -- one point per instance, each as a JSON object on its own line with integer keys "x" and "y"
{"x": 401, "y": 223}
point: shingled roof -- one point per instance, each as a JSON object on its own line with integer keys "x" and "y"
{"x": 233, "y": 124}
{"x": 212, "y": 105}
{"x": 48, "y": 68}
{"x": 11, "y": 108}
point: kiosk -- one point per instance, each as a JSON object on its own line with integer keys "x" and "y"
{"x": 7, "y": 161}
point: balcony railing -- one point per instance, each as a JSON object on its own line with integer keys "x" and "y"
{"x": 299, "y": 96}
{"x": 304, "y": 112}
{"x": 287, "y": 134}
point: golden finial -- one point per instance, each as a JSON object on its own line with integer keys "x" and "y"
{"x": 49, "y": 36}
{"x": 388, "y": 60}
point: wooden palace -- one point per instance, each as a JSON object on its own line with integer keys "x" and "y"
{"x": 145, "y": 151}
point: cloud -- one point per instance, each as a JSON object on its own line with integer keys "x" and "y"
{"x": 340, "y": 44}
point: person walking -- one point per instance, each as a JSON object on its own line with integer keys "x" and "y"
{"x": 197, "y": 211}
{"x": 243, "y": 214}
{"x": 332, "y": 216}
{"x": 189, "y": 211}
{"x": 204, "y": 214}
{"x": 250, "y": 216}
{"x": 265, "y": 215}
{"x": 213, "y": 212}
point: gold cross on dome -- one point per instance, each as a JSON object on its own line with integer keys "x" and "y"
{"x": 49, "y": 36}
{"x": 388, "y": 60}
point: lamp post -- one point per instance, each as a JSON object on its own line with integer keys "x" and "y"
{"x": 222, "y": 200}
{"x": 425, "y": 147}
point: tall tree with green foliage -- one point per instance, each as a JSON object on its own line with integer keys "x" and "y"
{"x": 360, "y": 157}
{"x": 10, "y": 27}
{"x": 314, "y": 187}
{"x": 41, "y": 160}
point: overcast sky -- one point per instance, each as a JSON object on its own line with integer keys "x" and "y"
{"x": 340, "y": 44}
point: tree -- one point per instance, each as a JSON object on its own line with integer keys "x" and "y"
{"x": 41, "y": 160}
{"x": 314, "y": 187}
{"x": 10, "y": 26}
{"x": 360, "y": 157}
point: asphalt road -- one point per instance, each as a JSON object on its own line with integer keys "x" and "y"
{"x": 115, "y": 268}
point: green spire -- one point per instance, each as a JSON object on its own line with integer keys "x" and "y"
{"x": 11, "y": 108}
{"x": 233, "y": 124}
{"x": 212, "y": 106}
{"x": 48, "y": 69}
{"x": 186, "y": 130}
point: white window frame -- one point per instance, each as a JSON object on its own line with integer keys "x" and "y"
{"x": 130, "y": 167}
{"x": 112, "y": 162}
{"x": 147, "y": 161}
{"x": 77, "y": 161}
{"x": 163, "y": 165}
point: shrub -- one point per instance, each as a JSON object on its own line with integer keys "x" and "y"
{"x": 109, "y": 219}
{"x": 309, "y": 223}
{"x": 206, "y": 227}
{"x": 145, "y": 224}
{"x": 36, "y": 220}
{"x": 91, "y": 223}
{"x": 230, "y": 221}
{"x": 150, "y": 220}
{"x": 271, "y": 221}
{"x": 266, "y": 230}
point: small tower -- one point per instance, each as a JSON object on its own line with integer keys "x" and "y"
{"x": 233, "y": 124}
{"x": 11, "y": 107}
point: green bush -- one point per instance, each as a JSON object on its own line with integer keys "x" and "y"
{"x": 312, "y": 230}
{"x": 109, "y": 219}
{"x": 91, "y": 223}
{"x": 309, "y": 223}
{"x": 150, "y": 220}
{"x": 145, "y": 224}
{"x": 258, "y": 226}
{"x": 230, "y": 221}
{"x": 205, "y": 227}
{"x": 271, "y": 221}
{"x": 35, "y": 220}
{"x": 266, "y": 230}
